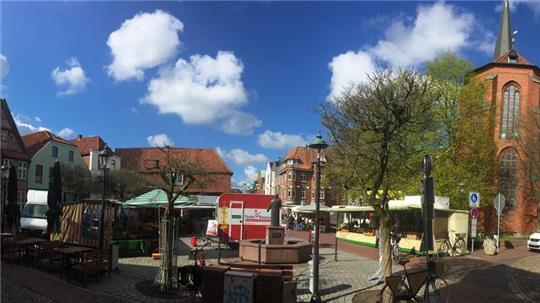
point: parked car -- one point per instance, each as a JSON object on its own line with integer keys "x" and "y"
{"x": 534, "y": 241}
{"x": 34, "y": 214}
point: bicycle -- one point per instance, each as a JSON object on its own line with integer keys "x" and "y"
{"x": 406, "y": 287}
{"x": 190, "y": 276}
{"x": 458, "y": 248}
{"x": 394, "y": 241}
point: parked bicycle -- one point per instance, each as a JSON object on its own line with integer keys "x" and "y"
{"x": 394, "y": 241}
{"x": 406, "y": 287}
{"x": 457, "y": 248}
{"x": 191, "y": 275}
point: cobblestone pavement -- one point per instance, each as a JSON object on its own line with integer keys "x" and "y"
{"x": 15, "y": 293}
{"x": 524, "y": 277}
{"x": 339, "y": 281}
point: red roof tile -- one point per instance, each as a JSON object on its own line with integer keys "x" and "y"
{"x": 35, "y": 141}
{"x": 209, "y": 159}
{"x": 304, "y": 155}
{"x": 87, "y": 144}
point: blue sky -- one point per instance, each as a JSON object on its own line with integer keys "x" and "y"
{"x": 242, "y": 77}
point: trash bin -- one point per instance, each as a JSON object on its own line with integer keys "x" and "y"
{"x": 114, "y": 255}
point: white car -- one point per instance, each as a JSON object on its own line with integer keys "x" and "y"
{"x": 534, "y": 241}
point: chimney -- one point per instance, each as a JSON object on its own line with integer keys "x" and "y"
{"x": 79, "y": 137}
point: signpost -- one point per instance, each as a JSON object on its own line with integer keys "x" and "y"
{"x": 499, "y": 206}
{"x": 474, "y": 203}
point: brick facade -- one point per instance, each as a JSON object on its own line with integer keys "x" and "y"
{"x": 525, "y": 77}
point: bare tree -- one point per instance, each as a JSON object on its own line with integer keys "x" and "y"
{"x": 378, "y": 131}
{"x": 175, "y": 174}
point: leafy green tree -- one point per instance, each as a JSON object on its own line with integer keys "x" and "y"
{"x": 463, "y": 147}
{"x": 529, "y": 149}
{"x": 377, "y": 133}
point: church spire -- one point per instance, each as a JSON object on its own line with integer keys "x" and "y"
{"x": 504, "y": 39}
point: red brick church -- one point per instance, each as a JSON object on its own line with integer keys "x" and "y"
{"x": 513, "y": 84}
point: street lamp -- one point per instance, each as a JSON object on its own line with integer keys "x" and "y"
{"x": 5, "y": 169}
{"x": 319, "y": 145}
{"x": 104, "y": 156}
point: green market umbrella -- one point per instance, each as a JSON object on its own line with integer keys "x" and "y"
{"x": 157, "y": 198}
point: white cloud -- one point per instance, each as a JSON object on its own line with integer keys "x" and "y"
{"x": 204, "y": 91}
{"x": 237, "y": 122}
{"x": 66, "y": 133}
{"x": 159, "y": 140}
{"x": 4, "y": 66}
{"x": 251, "y": 173}
{"x": 349, "y": 69}
{"x": 278, "y": 140}
{"x": 242, "y": 157}
{"x": 72, "y": 79}
{"x": 38, "y": 119}
{"x": 145, "y": 41}
{"x": 436, "y": 28}
{"x": 24, "y": 125}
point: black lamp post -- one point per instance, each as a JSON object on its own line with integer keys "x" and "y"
{"x": 5, "y": 170}
{"x": 104, "y": 156}
{"x": 319, "y": 145}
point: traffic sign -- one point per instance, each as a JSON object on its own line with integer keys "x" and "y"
{"x": 474, "y": 213}
{"x": 499, "y": 203}
{"x": 474, "y": 199}
{"x": 474, "y": 224}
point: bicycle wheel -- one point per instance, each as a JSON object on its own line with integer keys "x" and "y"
{"x": 386, "y": 295}
{"x": 460, "y": 247}
{"x": 443, "y": 249}
{"x": 436, "y": 291}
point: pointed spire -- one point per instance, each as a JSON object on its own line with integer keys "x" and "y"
{"x": 504, "y": 39}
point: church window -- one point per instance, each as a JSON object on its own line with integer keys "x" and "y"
{"x": 510, "y": 112}
{"x": 507, "y": 176}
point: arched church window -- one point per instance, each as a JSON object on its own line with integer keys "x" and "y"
{"x": 510, "y": 112}
{"x": 507, "y": 176}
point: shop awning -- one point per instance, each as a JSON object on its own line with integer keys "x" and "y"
{"x": 158, "y": 198}
{"x": 310, "y": 208}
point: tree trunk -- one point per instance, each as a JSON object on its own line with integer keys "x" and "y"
{"x": 167, "y": 276}
{"x": 384, "y": 241}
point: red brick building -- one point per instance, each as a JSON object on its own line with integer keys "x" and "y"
{"x": 513, "y": 84}
{"x": 218, "y": 174}
{"x": 13, "y": 153}
{"x": 295, "y": 180}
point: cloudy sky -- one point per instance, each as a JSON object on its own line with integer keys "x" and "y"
{"x": 243, "y": 78}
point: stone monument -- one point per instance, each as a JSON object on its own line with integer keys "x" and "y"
{"x": 275, "y": 233}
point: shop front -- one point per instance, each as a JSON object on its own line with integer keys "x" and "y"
{"x": 357, "y": 224}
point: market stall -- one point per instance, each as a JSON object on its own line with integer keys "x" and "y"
{"x": 357, "y": 223}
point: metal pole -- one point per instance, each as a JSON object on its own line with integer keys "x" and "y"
{"x": 335, "y": 244}
{"x": 315, "y": 296}
{"x": 472, "y": 244}
{"x": 498, "y": 231}
{"x": 102, "y": 221}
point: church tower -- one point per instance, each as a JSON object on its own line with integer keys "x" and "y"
{"x": 513, "y": 86}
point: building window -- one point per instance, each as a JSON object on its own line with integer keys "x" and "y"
{"x": 302, "y": 193}
{"x": 70, "y": 155}
{"x": 507, "y": 176}
{"x": 22, "y": 170}
{"x": 510, "y": 112}
{"x": 289, "y": 193}
{"x": 303, "y": 177}
{"x": 322, "y": 194}
{"x": 312, "y": 195}
{"x": 39, "y": 174}
{"x": 113, "y": 164}
{"x": 55, "y": 151}
{"x": 289, "y": 176}
{"x": 20, "y": 196}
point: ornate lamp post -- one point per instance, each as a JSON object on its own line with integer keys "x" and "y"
{"x": 104, "y": 156}
{"x": 319, "y": 145}
{"x": 5, "y": 170}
